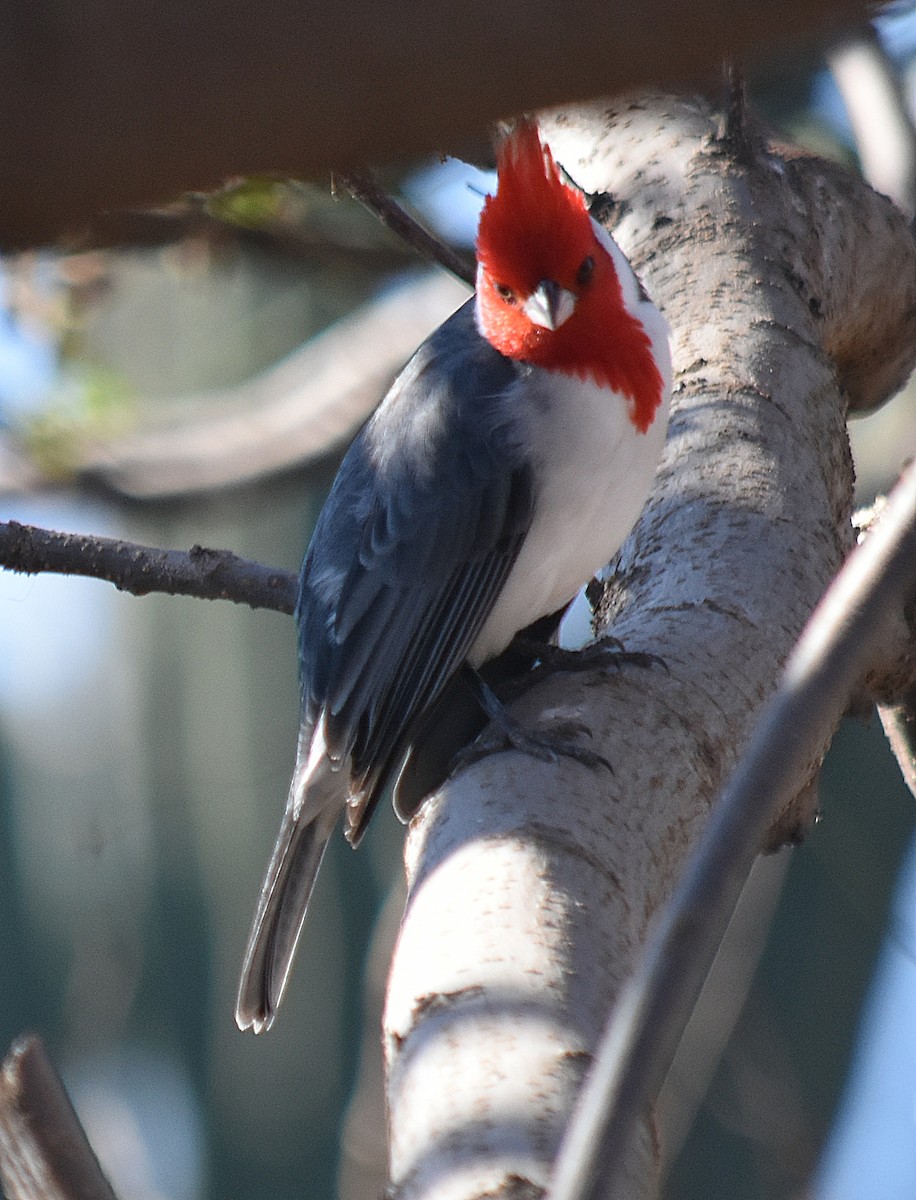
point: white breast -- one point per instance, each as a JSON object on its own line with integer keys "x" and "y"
{"x": 592, "y": 474}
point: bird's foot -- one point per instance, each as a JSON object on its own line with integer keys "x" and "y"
{"x": 560, "y": 738}
{"x": 548, "y": 744}
{"x": 607, "y": 652}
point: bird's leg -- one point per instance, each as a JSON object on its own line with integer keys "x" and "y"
{"x": 454, "y": 733}
{"x": 504, "y": 733}
{"x": 523, "y": 653}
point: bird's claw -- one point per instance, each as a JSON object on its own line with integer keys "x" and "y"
{"x": 557, "y": 657}
{"x": 547, "y": 746}
{"x": 606, "y": 653}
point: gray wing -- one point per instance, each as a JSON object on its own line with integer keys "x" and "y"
{"x": 421, "y": 528}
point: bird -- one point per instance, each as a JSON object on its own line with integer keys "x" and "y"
{"x": 504, "y": 467}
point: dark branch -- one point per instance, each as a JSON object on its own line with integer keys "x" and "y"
{"x": 206, "y": 574}
{"x": 72, "y": 105}
{"x": 362, "y": 187}
{"x": 44, "y": 1152}
{"x": 736, "y": 131}
{"x": 848, "y": 627}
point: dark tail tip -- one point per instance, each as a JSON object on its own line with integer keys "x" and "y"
{"x": 254, "y": 1013}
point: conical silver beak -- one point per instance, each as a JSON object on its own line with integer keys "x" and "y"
{"x": 549, "y": 305}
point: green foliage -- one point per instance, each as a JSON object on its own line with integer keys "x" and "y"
{"x": 91, "y": 402}
{"x": 252, "y": 202}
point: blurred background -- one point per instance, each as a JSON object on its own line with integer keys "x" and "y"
{"x": 146, "y": 744}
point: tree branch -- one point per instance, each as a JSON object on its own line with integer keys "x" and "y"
{"x": 44, "y": 1152}
{"x": 533, "y": 886}
{"x": 876, "y": 104}
{"x": 899, "y": 722}
{"x": 832, "y": 656}
{"x": 87, "y": 126}
{"x": 891, "y": 677}
{"x": 206, "y": 574}
{"x": 362, "y": 186}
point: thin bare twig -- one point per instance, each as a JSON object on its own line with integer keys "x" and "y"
{"x": 828, "y": 662}
{"x": 44, "y": 1151}
{"x": 736, "y": 126}
{"x": 206, "y": 574}
{"x": 899, "y": 722}
{"x": 363, "y": 187}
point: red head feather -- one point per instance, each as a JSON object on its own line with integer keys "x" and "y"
{"x": 535, "y": 227}
{"x": 538, "y": 228}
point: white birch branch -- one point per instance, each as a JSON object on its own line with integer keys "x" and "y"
{"x": 830, "y": 661}
{"x": 533, "y": 886}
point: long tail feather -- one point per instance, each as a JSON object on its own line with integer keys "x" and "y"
{"x": 285, "y": 896}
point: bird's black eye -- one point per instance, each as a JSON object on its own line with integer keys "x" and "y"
{"x": 504, "y": 292}
{"x": 584, "y": 274}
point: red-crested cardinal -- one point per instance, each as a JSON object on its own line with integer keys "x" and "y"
{"x": 505, "y": 466}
